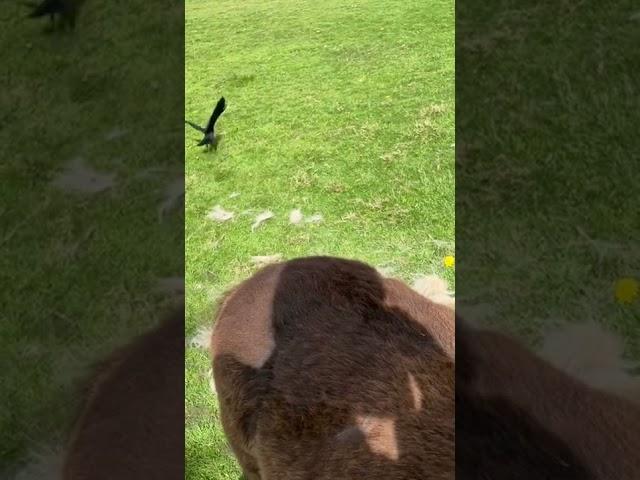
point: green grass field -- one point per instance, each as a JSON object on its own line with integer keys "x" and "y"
{"x": 547, "y": 173}
{"x": 346, "y": 110}
{"x": 79, "y": 270}
{"x": 340, "y": 109}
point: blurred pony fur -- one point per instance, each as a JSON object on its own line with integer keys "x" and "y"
{"x": 325, "y": 369}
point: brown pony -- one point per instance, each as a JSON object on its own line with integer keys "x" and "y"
{"x": 519, "y": 417}
{"x": 327, "y": 371}
{"x": 131, "y": 426}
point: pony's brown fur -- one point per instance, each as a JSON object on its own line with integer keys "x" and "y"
{"x": 327, "y": 371}
{"x": 520, "y": 417}
{"x": 131, "y": 425}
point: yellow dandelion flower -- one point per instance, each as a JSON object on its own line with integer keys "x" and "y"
{"x": 449, "y": 261}
{"x": 627, "y": 290}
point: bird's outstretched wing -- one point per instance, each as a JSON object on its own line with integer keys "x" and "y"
{"x": 197, "y": 127}
{"x": 217, "y": 111}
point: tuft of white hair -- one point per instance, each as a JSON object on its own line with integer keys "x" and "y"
{"x": 202, "y": 338}
{"x": 77, "y": 177}
{"x": 264, "y": 260}
{"x": 435, "y": 289}
{"x": 593, "y": 355}
{"x": 219, "y": 214}
{"x": 44, "y": 463}
{"x": 170, "y": 285}
{"x": 315, "y": 218}
{"x": 386, "y": 271}
{"x": 174, "y": 192}
{"x": 296, "y": 217}
{"x": 261, "y": 218}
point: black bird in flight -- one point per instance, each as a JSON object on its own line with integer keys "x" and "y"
{"x": 210, "y": 139}
{"x": 66, "y": 9}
